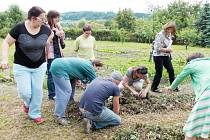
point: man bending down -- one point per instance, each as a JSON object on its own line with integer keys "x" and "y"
{"x": 92, "y": 103}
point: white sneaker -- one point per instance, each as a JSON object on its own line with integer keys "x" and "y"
{"x": 61, "y": 121}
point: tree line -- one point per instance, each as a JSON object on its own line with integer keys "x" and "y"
{"x": 193, "y": 23}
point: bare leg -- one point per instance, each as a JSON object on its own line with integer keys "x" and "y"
{"x": 190, "y": 138}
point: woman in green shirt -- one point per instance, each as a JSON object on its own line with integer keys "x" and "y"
{"x": 198, "y": 68}
{"x": 85, "y": 44}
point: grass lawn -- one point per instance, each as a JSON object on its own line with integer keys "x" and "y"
{"x": 14, "y": 124}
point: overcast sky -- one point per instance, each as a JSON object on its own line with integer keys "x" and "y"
{"x": 88, "y": 5}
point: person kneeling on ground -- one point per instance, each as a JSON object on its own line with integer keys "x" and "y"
{"x": 134, "y": 81}
{"x": 95, "y": 114}
{"x": 65, "y": 72}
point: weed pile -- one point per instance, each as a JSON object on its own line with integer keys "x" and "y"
{"x": 73, "y": 112}
{"x": 155, "y": 103}
{"x": 151, "y": 132}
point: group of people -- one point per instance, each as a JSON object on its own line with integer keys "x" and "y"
{"x": 37, "y": 41}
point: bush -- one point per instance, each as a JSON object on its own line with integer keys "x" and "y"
{"x": 188, "y": 35}
{"x": 111, "y": 35}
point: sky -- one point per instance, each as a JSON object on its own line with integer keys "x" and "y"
{"x": 89, "y": 5}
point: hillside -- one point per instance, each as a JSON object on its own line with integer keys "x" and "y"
{"x": 90, "y": 15}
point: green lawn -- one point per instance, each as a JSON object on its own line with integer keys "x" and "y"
{"x": 14, "y": 124}
{"x": 120, "y": 56}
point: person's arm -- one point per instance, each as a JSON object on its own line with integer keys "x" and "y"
{"x": 76, "y": 48}
{"x": 146, "y": 90}
{"x": 90, "y": 73}
{"x": 49, "y": 41}
{"x": 94, "y": 45}
{"x": 188, "y": 69}
{"x": 116, "y": 104}
{"x": 125, "y": 84}
{"x": 8, "y": 41}
{"x": 166, "y": 50}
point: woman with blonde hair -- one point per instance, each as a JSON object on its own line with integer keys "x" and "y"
{"x": 162, "y": 54}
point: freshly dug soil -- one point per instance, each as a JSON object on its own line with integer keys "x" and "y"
{"x": 72, "y": 112}
{"x": 155, "y": 103}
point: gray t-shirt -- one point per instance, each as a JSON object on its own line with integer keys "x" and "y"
{"x": 97, "y": 93}
{"x": 131, "y": 80}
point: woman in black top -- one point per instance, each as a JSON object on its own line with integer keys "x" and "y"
{"x": 54, "y": 49}
{"x": 30, "y": 38}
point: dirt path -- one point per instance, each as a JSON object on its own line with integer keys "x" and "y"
{"x": 14, "y": 123}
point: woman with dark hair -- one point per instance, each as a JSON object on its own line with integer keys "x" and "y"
{"x": 54, "y": 50}
{"x": 134, "y": 80}
{"x": 30, "y": 38}
{"x": 197, "y": 68}
{"x": 85, "y": 44}
{"x": 162, "y": 54}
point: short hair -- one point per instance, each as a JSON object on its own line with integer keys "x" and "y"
{"x": 35, "y": 11}
{"x": 50, "y": 15}
{"x": 87, "y": 27}
{"x": 170, "y": 24}
{"x": 194, "y": 56}
{"x": 97, "y": 63}
{"x": 142, "y": 70}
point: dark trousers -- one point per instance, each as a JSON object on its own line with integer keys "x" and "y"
{"x": 50, "y": 83}
{"x": 161, "y": 61}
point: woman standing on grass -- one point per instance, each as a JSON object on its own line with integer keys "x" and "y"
{"x": 30, "y": 38}
{"x": 85, "y": 44}
{"x": 54, "y": 50}
{"x": 198, "y": 123}
{"x": 162, "y": 55}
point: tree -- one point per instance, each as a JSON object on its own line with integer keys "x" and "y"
{"x": 9, "y": 18}
{"x": 183, "y": 13}
{"x": 203, "y": 25}
{"x": 81, "y": 23}
{"x": 14, "y": 14}
{"x": 126, "y": 20}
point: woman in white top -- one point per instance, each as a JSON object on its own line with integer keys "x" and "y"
{"x": 162, "y": 54}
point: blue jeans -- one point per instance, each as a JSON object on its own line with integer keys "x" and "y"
{"x": 50, "y": 83}
{"x": 106, "y": 118}
{"x": 64, "y": 90}
{"x": 29, "y": 85}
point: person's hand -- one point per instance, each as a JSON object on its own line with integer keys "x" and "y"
{"x": 62, "y": 55}
{"x": 143, "y": 94}
{"x": 169, "y": 50}
{"x": 62, "y": 34}
{"x": 167, "y": 89}
{"x": 125, "y": 84}
{"x": 4, "y": 64}
{"x": 78, "y": 82}
{"x": 135, "y": 93}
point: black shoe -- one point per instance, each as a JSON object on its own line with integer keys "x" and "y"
{"x": 176, "y": 90}
{"x": 52, "y": 98}
{"x": 157, "y": 91}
